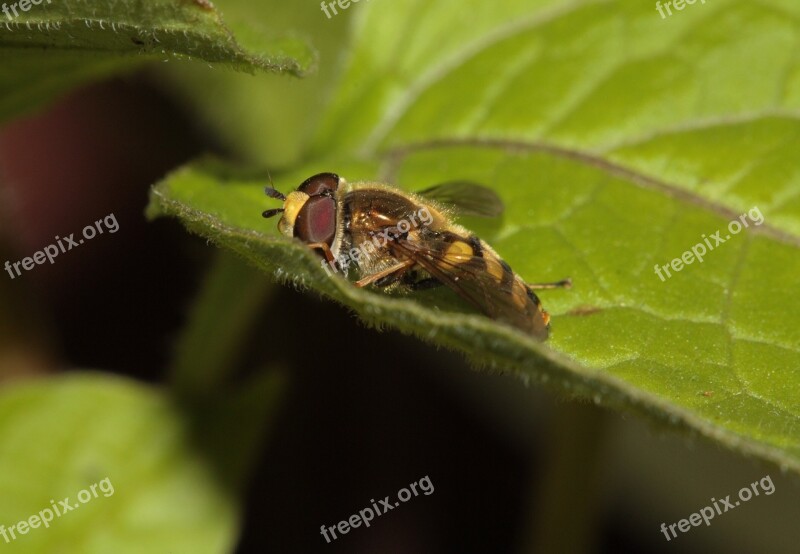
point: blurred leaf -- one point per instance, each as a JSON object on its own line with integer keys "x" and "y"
{"x": 264, "y": 119}
{"x": 62, "y": 436}
{"x": 618, "y": 140}
{"x": 57, "y": 45}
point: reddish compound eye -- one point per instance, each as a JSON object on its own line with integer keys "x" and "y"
{"x": 316, "y": 221}
{"x": 320, "y": 184}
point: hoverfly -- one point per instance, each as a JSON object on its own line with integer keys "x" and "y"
{"x": 396, "y": 239}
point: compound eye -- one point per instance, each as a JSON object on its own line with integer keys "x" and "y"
{"x": 316, "y": 221}
{"x": 319, "y": 184}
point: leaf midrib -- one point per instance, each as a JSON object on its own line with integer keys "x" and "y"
{"x": 642, "y": 180}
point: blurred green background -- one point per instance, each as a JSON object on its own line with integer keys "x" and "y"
{"x": 237, "y": 418}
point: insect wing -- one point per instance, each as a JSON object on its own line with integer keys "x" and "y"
{"x": 466, "y": 198}
{"x": 481, "y": 280}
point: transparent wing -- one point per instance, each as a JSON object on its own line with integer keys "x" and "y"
{"x": 467, "y": 198}
{"x": 485, "y": 282}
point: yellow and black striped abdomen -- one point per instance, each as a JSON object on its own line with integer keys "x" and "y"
{"x": 476, "y": 272}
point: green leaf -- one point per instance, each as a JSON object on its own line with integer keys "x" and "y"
{"x": 264, "y": 117}
{"x": 166, "y": 476}
{"x": 618, "y": 140}
{"x": 57, "y": 45}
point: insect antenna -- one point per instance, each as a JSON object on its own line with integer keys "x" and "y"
{"x": 271, "y": 192}
{"x": 272, "y": 212}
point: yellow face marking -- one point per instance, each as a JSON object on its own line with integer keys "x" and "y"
{"x": 291, "y": 207}
{"x": 458, "y": 252}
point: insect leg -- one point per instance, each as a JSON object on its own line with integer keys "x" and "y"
{"x": 326, "y": 250}
{"x": 384, "y": 282}
{"x": 402, "y": 266}
{"x": 562, "y": 284}
{"x": 420, "y": 284}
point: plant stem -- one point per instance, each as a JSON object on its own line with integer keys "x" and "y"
{"x": 212, "y": 341}
{"x": 563, "y": 513}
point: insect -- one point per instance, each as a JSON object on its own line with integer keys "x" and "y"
{"x": 395, "y": 239}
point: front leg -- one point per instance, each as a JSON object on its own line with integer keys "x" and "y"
{"x": 398, "y": 269}
{"x": 326, "y": 250}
